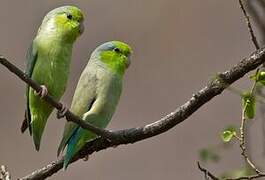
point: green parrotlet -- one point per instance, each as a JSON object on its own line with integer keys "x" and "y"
{"x": 97, "y": 95}
{"x": 48, "y": 63}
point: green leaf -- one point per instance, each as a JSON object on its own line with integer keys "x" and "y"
{"x": 231, "y": 128}
{"x": 228, "y": 135}
{"x": 208, "y": 155}
{"x": 249, "y": 102}
{"x": 259, "y": 77}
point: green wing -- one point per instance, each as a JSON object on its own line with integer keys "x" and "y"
{"x": 32, "y": 56}
{"x": 69, "y": 130}
{"x": 82, "y": 102}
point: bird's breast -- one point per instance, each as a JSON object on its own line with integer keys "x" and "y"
{"x": 53, "y": 66}
{"x": 109, "y": 88}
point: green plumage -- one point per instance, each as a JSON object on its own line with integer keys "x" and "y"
{"x": 48, "y": 64}
{"x": 97, "y": 95}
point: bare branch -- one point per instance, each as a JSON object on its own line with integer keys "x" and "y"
{"x": 257, "y": 9}
{"x": 207, "y": 174}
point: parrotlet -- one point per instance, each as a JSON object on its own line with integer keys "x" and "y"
{"x": 97, "y": 94}
{"x": 48, "y": 63}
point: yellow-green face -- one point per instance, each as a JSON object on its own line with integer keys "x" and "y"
{"x": 67, "y": 20}
{"x": 116, "y": 55}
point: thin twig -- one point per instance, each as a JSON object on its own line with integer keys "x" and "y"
{"x": 257, "y": 15}
{"x": 256, "y": 176}
{"x": 243, "y": 119}
{"x": 242, "y": 142}
{"x": 132, "y": 135}
{"x": 257, "y": 11}
{"x": 207, "y": 174}
{"x": 253, "y": 37}
{"x": 242, "y": 131}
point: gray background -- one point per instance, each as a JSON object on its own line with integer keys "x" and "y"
{"x": 178, "y": 46}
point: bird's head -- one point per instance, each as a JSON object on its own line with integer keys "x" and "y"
{"x": 65, "y": 22}
{"x": 115, "y": 54}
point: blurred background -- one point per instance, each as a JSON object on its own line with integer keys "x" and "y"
{"x": 178, "y": 47}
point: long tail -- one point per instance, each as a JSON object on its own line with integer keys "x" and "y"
{"x": 79, "y": 138}
{"x": 38, "y": 125}
{"x": 71, "y": 147}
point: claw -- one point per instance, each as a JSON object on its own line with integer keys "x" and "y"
{"x": 43, "y": 91}
{"x": 86, "y": 158}
{"x": 61, "y": 113}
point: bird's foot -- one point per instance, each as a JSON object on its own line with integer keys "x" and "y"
{"x": 86, "y": 158}
{"x": 42, "y": 92}
{"x": 62, "y": 111}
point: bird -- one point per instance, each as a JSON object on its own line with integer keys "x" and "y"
{"x": 48, "y": 63}
{"x": 96, "y": 95}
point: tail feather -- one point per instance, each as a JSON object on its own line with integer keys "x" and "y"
{"x": 36, "y": 138}
{"x": 69, "y": 130}
{"x": 26, "y": 123}
{"x": 24, "y": 126}
{"x": 38, "y": 126}
{"x": 79, "y": 138}
{"x": 71, "y": 148}
{"x": 60, "y": 149}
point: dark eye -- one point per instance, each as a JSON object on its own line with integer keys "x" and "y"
{"x": 69, "y": 16}
{"x": 117, "y": 50}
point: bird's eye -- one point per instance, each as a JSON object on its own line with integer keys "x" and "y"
{"x": 69, "y": 16}
{"x": 117, "y": 50}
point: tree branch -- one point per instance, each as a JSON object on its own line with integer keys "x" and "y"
{"x": 214, "y": 88}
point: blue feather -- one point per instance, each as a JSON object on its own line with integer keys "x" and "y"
{"x": 70, "y": 152}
